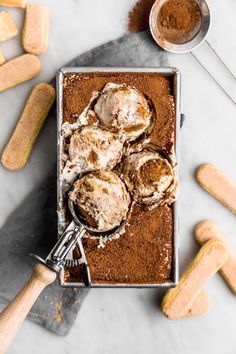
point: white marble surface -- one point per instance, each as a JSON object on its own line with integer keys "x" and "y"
{"x": 129, "y": 321}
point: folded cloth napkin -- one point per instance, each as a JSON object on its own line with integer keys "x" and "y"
{"x": 32, "y": 228}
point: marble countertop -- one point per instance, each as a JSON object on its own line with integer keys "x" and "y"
{"x": 129, "y": 321}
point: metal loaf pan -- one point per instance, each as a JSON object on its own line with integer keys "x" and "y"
{"x": 165, "y": 71}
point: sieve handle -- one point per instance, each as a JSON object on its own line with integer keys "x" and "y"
{"x": 12, "y": 317}
{"x": 221, "y": 61}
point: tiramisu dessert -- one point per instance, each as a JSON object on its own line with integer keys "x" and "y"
{"x": 118, "y": 167}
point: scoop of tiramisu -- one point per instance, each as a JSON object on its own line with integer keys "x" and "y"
{"x": 149, "y": 177}
{"x": 122, "y": 108}
{"x": 90, "y": 149}
{"x": 102, "y": 199}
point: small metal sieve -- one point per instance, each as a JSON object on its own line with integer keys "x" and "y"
{"x": 180, "y": 47}
{"x": 192, "y": 43}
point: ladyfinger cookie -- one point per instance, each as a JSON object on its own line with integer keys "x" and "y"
{"x": 209, "y": 259}
{"x": 2, "y": 58}
{"x": 13, "y": 3}
{"x": 35, "y": 30}
{"x": 18, "y": 149}
{"x": 18, "y": 70}
{"x": 8, "y": 27}
{"x": 199, "y": 306}
{"x": 218, "y": 185}
{"x": 207, "y": 230}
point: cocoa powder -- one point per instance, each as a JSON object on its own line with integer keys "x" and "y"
{"x": 157, "y": 88}
{"x": 179, "y": 20}
{"x": 138, "y": 18}
{"x": 144, "y": 253}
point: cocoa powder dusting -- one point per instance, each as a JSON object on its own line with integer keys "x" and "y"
{"x": 143, "y": 254}
{"x": 179, "y": 20}
{"x": 83, "y": 86}
{"x": 138, "y": 18}
{"x": 151, "y": 171}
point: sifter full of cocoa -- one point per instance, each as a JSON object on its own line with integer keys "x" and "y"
{"x": 179, "y": 26}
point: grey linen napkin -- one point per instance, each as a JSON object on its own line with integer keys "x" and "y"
{"x": 32, "y": 228}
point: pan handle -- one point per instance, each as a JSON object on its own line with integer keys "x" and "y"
{"x": 12, "y": 317}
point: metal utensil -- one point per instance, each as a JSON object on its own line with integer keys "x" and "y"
{"x": 72, "y": 236}
{"x": 181, "y": 47}
{"x": 193, "y": 43}
{"x": 45, "y": 273}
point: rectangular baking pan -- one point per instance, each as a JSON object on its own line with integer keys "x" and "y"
{"x": 165, "y": 71}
